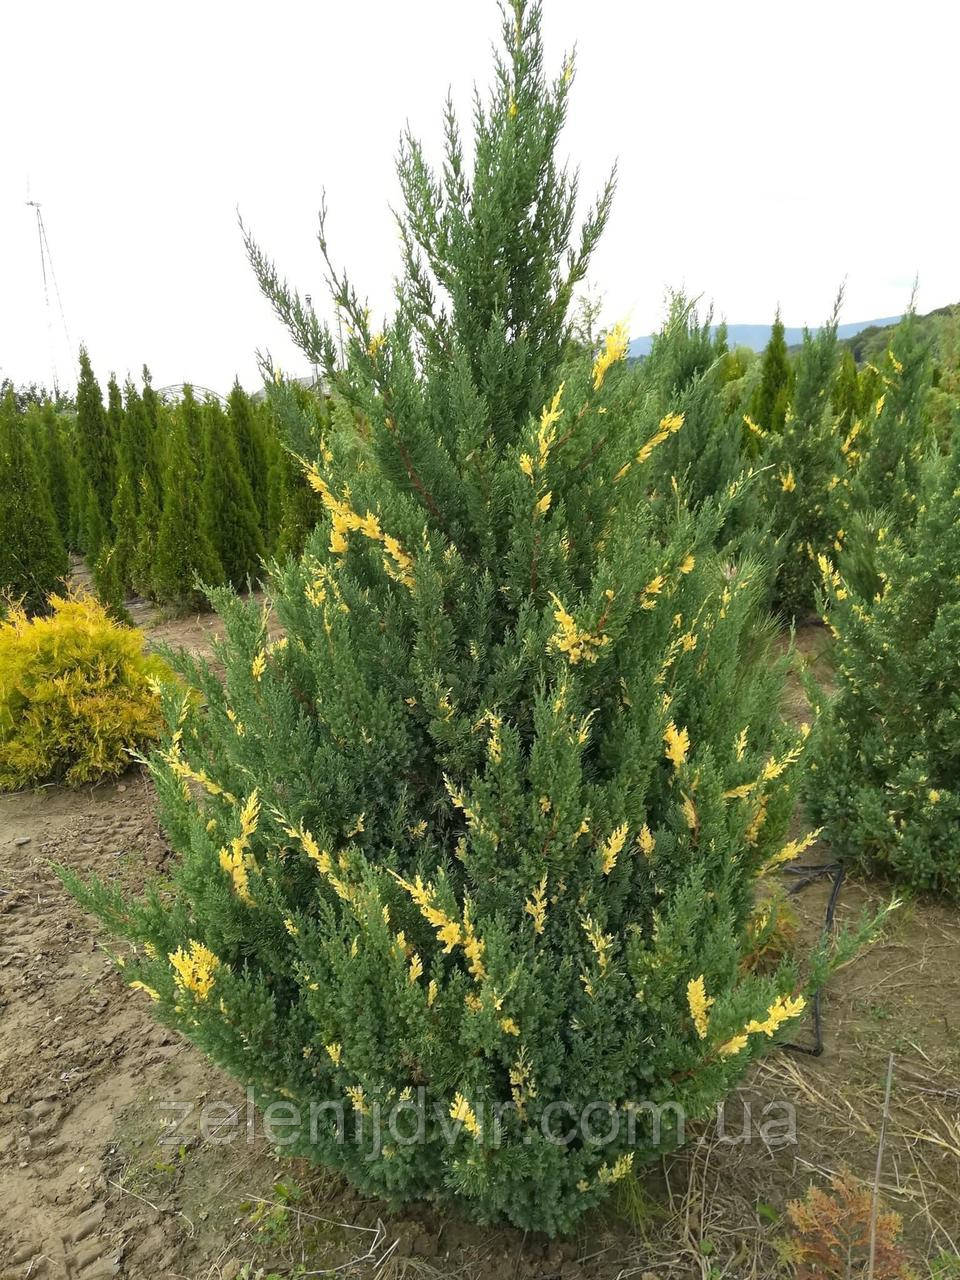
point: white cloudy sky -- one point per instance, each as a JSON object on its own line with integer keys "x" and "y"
{"x": 767, "y": 151}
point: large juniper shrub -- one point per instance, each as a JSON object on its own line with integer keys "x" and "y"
{"x": 479, "y": 835}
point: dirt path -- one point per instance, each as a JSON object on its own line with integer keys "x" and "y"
{"x": 75, "y": 1049}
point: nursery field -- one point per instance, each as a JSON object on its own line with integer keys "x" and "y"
{"x": 102, "y": 1174}
{"x": 490, "y": 808}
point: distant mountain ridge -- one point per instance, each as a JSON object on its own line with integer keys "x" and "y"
{"x": 756, "y": 336}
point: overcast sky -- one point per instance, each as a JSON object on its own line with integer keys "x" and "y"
{"x": 766, "y": 152}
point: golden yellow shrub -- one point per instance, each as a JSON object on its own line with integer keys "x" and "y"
{"x": 77, "y": 692}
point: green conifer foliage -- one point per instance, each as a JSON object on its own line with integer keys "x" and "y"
{"x": 109, "y": 583}
{"x": 228, "y": 502}
{"x": 769, "y": 405}
{"x": 305, "y": 420}
{"x": 184, "y": 550}
{"x": 847, "y": 394}
{"x": 706, "y": 462}
{"x": 298, "y": 506}
{"x": 279, "y": 482}
{"x": 683, "y": 350}
{"x": 94, "y": 439}
{"x": 190, "y": 417}
{"x": 78, "y": 482}
{"x": 897, "y": 430}
{"x": 684, "y": 372}
{"x": 33, "y": 561}
{"x": 95, "y": 532}
{"x": 135, "y": 451}
{"x": 885, "y": 452}
{"x": 115, "y": 419}
{"x": 885, "y": 774}
{"x": 945, "y": 392}
{"x": 148, "y": 530}
{"x": 51, "y": 446}
{"x": 247, "y": 427}
{"x": 154, "y": 411}
{"x": 151, "y": 401}
{"x": 482, "y": 829}
{"x": 124, "y": 521}
{"x": 803, "y": 469}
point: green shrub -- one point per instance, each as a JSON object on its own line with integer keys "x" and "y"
{"x": 77, "y": 694}
{"x": 884, "y": 452}
{"x": 482, "y": 831}
{"x": 885, "y": 778}
{"x": 802, "y": 467}
{"x": 897, "y": 431}
{"x": 768, "y": 405}
{"x": 687, "y": 373}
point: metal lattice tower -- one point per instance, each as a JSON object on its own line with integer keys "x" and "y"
{"x": 49, "y": 276}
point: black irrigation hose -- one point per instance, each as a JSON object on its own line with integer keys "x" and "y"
{"x": 809, "y": 874}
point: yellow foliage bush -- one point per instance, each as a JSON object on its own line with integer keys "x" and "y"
{"x": 77, "y": 692}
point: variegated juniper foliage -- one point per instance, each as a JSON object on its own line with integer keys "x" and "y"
{"x": 486, "y": 820}
{"x": 885, "y": 776}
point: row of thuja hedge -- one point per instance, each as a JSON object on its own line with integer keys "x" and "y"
{"x": 155, "y": 492}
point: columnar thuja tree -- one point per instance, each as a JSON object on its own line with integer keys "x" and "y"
{"x": 477, "y": 836}
{"x": 96, "y": 444}
{"x": 184, "y": 556}
{"x": 250, "y": 441}
{"x": 33, "y": 562}
{"x": 137, "y": 448}
{"x": 228, "y": 501}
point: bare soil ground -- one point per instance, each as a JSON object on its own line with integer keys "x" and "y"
{"x": 97, "y": 1178}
